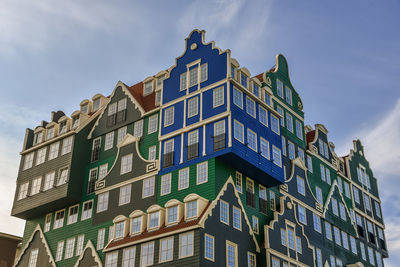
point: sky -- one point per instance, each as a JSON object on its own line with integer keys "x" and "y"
{"x": 343, "y": 60}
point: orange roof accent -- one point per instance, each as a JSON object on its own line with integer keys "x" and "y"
{"x": 260, "y": 77}
{"x": 147, "y": 102}
{"x": 310, "y": 137}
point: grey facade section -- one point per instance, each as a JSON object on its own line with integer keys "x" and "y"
{"x": 43, "y": 258}
{"x": 88, "y": 258}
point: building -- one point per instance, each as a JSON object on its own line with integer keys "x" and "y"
{"x": 201, "y": 164}
{"x": 9, "y": 249}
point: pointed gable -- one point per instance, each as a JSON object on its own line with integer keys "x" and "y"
{"x": 89, "y": 257}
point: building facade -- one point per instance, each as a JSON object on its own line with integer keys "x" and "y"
{"x": 201, "y": 164}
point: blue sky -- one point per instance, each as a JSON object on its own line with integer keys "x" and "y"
{"x": 343, "y": 58}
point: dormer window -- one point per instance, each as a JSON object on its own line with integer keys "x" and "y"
{"x": 96, "y": 104}
{"x": 154, "y": 220}
{"x": 148, "y": 88}
{"x": 75, "y": 122}
{"x": 63, "y": 127}
{"x": 243, "y": 80}
{"x": 50, "y": 133}
{"x": 119, "y": 229}
{"x": 136, "y": 225}
{"x": 191, "y": 209}
{"x": 172, "y": 214}
{"x": 85, "y": 108}
{"x": 160, "y": 82}
{"x": 38, "y": 138}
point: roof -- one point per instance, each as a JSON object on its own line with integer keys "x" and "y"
{"x": 163, "y": 229}
{"x": 148, "y": 101}
{"x": 260, "y": 77}
{"x": 310, "y": 137}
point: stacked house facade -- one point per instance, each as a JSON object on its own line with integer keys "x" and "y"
{"x": 201, "y": 164}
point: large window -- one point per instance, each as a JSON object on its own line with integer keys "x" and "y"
{"x": 202, "y": 172}
{"x": 73, "y": 214}
{"x": 168, "y": 116}
{"x": 69, "y": 250}
{"x": 59, "y": 219}
{"x": 237, "y": 98}
{"x": 128, "y": 257}
{"x": 67, "y": 145}
{"x": 49, "y": 180}
{"x": 148, "y": 187}
{"x": 112, "y": 259}
{"x": 87, "y": 210}
{"x": 224, "y": 212}
{"x": 54, "y": 148}
{"x": 275, "y": 124}
{"x": 250, "y": 107}
{"x": 238, "y": 131}
{"x": 263, "y": 115}
{"x": 125, "y": 194}
{"x": 264, "y": 148}
{"x": 28, "y": 161}
{"x": 153, "y": 123}
{"x": 193, "y": 107}
{"x": 186, "y": 245}
{"x": 166, "y": 249}
{"x": 231, "y": 254}
{"x": 41, "y": 155}
{"x": 165, "y": 184}
{"x": 209, "y": 247}
{"x": 218, "y": 96}
{"x": 102, "y": 202}
{"x": 252, "y": 139}
{"x": 36, "y": 184}
{"x": 183, "y": 179}
{"x": 126, "y": 164}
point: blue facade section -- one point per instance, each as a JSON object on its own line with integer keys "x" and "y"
{"x": 178, "y": 119}
{"x": 208, "y": 104}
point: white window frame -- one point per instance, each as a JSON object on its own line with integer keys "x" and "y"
{"x": 166, "y": 184}
{"x": 102, "y": 202}
{"x": 200, "y": 172}
{"x": 188, "y": 244}
{"x": 183, "y": 174}
{"x": 125, "y": 194}
{"x": 148, "y": 187}
{"x": 193, "y": 107}
{"x": 169, "y": 116}
{"x": 109, "y": 141}
{"x": 152, "y": 124}
{"x": 235, "y": 125}
{"x": 218, "y": 96}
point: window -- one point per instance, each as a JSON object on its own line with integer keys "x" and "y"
{"x": 41, "y": 155}
{"x": 191, "y": 209}
{"x": 300, "y": 153}
{"x": 318, "y": 193}
{"x": 87, "y": 210}
{"x": 186, "y": 245}
{"x": 283, "y": 237}
{"x": 335, "y": 207}
{"x": 275, "y": 262}
{"x": 110, "y": 232}
{"x": 252, "y": 139}
{"x": 53, "y": 153}
{"x": 112, "y": 259}
{"x": 328, "y": 175}
{"x": 38, "y": 138}
{"x": 109, "y": 141}
{"x": 128, "y": 257}
{"x": 103, "y": 171}
{"x": 100, "y": 238}
{"x": 237, "y": 98}
{"x": 193, "y": 107}
{"x": 342, "y": 211}
{"x": 317, "y": 223}
{"x": 243, "y": 80}
{"x": 237, "y": 218}
{"x": 283, "y": 145}
{"x": 136, "y": 226}
{"x": 36, "y": 184}
{"x": 204, "y": 72}
{"x": 233, "y": 70}
{"x": 202, "y": 172}
{"x": 172, "y": 214}
{"x": 371, "y": 256}
{"x": 148, "y": 187}
{"x": 69, "y": 250}
{"x": 119, "y": 229}
{"x": 238, "y": 131}
{"x": 264, "y": 148}
{"x": 121, "y": 134}
{"x": 169, "y": 116}
{"x": 183, "y": 180}
{"x": 193, "y": 80}
{"x": 158, "y": 98}
{"x": 263, "y": 115}
{"x": 254, "y": 224}
{"x": 275, "y": 124}
{"x": 298, "y": 244}
{"x": 322, "y": 173}
{"x": 345, "y": 240}
{"x": 60, "y": 250}
{"x": 152, "y": 153}
{"x": 224, "y": 212}
{"x": 231, "y": 254}
{"x": 289, "y": 122}
{"x": 346, "y": 189}
{"x": 73, "y": 214}
{"x": 378, "y": 259}
{"x": 333, "y": 261}
{"x": 67, "y": 145}
{"x": 125, "y": 194}
{"x": 166, "y": 249}
{"x": 102, "y": 202}
{"x": 79, "y": 245}
{"x": 290, "y": 232}
{"x": 279, "y": 88}
{"x": 300, "y": 186}
{"x": 356, "y": 195}
{"x": 239, "y": 182}
{"x": 377, "y": 210}
{"x": 126, "y": 164}
{"x": 148, "y": 88}
{"x": 33, "y": 257}
{"x": 96, "y": 104}
{"x": 218, "y": 97}
{"x": 288, "y": 95}
{"x": 47, "y": 222}
{"x": 28, "y": 160}
{"x": 165, "y": 184}
{"x": 183, "y": 80}
{"x": 291, "y": 150}
{"x": 362, "y": 248}
{"x": 75, "y": 122}
{"x": 153, "y": 123}
{"x": 328, "y": 230}
{"x": 353, "y": 245}
{"x": 250, "y": 107}
{"x": 367, "y": 202}
{"x": 326, "y": 151}
{"x": 337, "y": 235}
{"x": 276, "y": 156}
{"x": 23, "y": 190}
{"x": 309, "y": 164}
{"x": 138, "y": 128}
{"x": 256, "y": 89}
{"x": 59, "y": 219}
{"x": 282, "y": 119}
{"x": 209, "y": 247}
{"x": 302, "y": 214}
